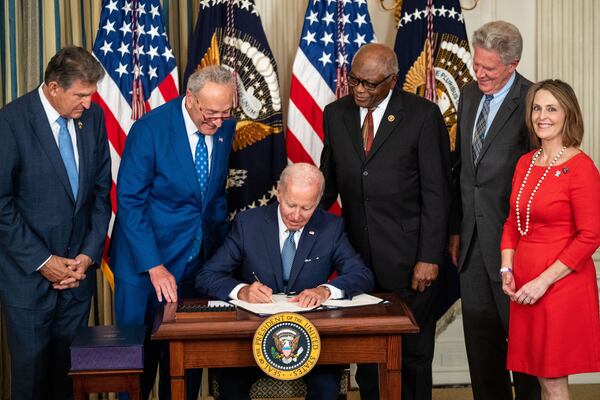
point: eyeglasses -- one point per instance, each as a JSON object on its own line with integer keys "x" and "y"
{"x": 210, "y": 116}
{"x": 354, "y": 81}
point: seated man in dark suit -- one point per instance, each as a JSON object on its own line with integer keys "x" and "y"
{"x": 262, "y": 246}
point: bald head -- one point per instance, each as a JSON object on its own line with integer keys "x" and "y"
{"x": 379, "y": 55}
{"x": 299, "y": 191}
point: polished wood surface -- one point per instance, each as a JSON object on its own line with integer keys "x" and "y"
{"x": 100, "y": 381}
{"x": 370, "y": 334}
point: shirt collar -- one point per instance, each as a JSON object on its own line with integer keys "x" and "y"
{"x": 190, "y": 126}
{"x": 50, "y": 111}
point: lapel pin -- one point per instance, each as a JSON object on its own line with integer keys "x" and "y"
{"x": 391, "y": 118}
{"x": 311, "y": 232}
{"x": 220, "y": 139}
{"x": 557, "y": 173}
{"x": 565, "y": 170}
{"x": 80, "y": 124}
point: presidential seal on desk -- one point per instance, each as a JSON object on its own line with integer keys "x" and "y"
{"x": 286, "y": 346}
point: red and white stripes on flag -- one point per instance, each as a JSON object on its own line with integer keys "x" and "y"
{"x": 132, "y": 46}
{"x": 331, "y": 35}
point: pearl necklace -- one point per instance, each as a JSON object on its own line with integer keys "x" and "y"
{"x": 537, "y": 186}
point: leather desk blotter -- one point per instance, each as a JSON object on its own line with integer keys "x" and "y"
{"x": 108, "y": 348}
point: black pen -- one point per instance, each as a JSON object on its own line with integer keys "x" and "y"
{"x": 256, "y": 277}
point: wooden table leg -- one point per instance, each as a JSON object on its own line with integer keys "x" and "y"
{"x": 177, "y": 370}
{"x": 390, "y": 373}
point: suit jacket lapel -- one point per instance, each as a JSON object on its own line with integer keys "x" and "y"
{"x": 391, "y": 118}
{"x": 508, "y": 106}
{"x": 181, "y": 148}
{"x": 215, "y": 161}
{"x": 471, "y": 106}
{"x": 43, "y": 131}
{"x": 84, "y": 138}
{"x": 307, "y": 241}
{"x": 353, "y": 128}
{"x": 271, "y": 240}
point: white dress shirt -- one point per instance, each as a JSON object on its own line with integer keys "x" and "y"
{"x": 191, "y": 129}
{"x": 52, "y": 116}
{"x": 378, "y": 113}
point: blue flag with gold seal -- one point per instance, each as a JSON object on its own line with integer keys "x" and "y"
{"x": 230, "y": 33}
{"x": 435, "y": 62}
{"x": 451, "y": 60}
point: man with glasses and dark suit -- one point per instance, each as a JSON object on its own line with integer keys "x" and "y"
{"x": 386, "y": 154}
{"x": 172, "y": 206}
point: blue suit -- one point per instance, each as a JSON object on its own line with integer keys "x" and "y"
{"x": 161, "y": 210}
{"x": 39, "y": 216}
{"x": 252, "y": 247}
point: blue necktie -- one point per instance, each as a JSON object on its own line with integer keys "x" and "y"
{"x": 65, "y": 146}
{"x": 287, "y": 256}
{"x": 481, "y": 127}
{"x": 201, "y": 166}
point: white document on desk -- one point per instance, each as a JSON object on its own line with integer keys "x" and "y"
{"x": 281, "y": 303}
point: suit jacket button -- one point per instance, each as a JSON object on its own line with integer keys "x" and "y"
{"x": 366, "y": 228}
{"x": 365, "y": 173}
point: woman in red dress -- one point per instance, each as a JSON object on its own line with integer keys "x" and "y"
{"x": 549, "y": 237}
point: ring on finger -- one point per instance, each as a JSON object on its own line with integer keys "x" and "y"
{"x": 427, "y": 283}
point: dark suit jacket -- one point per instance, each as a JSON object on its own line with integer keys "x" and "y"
{"x": 38, "y": 214}
{"x": 252, "y": 248}
{"x": 485, "y": 190}
{"x": 395, "y": 201}
{"x": 160, "y": 208}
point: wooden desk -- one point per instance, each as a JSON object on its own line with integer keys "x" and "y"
{"x": 370, "y": 334}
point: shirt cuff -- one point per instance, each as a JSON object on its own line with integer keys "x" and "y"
{"x": 47, "y": 259}
{"x": 234, "y": 293}
{"x": 335, "y": 292}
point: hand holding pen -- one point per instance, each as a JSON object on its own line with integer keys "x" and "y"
{"x": 256, "y": 292}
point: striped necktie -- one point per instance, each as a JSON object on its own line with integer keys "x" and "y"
{"x": 480, "y": 128}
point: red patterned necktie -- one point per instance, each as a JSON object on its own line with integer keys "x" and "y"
{"x": 367, "y": 131}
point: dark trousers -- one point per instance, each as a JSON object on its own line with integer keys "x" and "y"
{"x": 417, "y": 350}
{"x": 156, "y": 353}
{"x": 485, "y": 321}
{"x": 323, "y": 382}
{"x": 39, "y": 342}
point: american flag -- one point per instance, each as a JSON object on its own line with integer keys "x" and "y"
{"x": 141, "y": 74}
{"x": 332, "y": 33}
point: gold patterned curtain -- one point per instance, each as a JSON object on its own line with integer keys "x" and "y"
{"x": 30, "y": 34}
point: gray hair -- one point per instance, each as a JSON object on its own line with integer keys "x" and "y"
{"x": 213, "y": 73}
{"x": 71, "y": 64}
{"x": 387, "y": 57}
{"x": 501, "y": 37}
{"x": 302, "y": 174}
